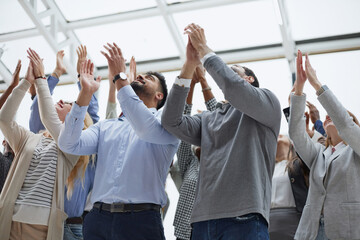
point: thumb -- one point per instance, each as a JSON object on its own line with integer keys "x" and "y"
{"x": 98, "y": 79}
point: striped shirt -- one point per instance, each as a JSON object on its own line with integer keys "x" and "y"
{"x": 38, "y": 186}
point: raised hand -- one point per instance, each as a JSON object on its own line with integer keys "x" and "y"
{"x": 116, "y": 61}
{"x": 15, "y": 76}
{"x": 300, "y": 75}
{"x": 87, "y": 78}
{"x": 313, "y": 112}
{"x": 199, "y": 74}
{"x": 192, "y": 55}
{"x": 29, "y": 76}
{"x": 311, "y": 74}
{"x": 60, "y": 68}
{"x": 81, "y": 53}
{"x": 197, "y": 37}
{"x": 37, "y": 63}
{"x": 132, "y": 74}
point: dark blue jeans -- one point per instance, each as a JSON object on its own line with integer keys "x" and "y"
{"x": 100, "y": 224}
{"x": 248, "y": 227}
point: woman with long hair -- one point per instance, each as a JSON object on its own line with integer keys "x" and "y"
{"x": 32, "y": 200}
{"x": 332, "y": 209}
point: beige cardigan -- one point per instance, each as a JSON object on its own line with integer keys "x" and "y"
{"x": 23, "y": 142}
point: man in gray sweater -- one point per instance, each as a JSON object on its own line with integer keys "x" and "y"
{"x": 238, "y": 146}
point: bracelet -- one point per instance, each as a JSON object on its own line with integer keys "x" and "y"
{"x": 78, "y": 75}
{"x": 205, "y": 89}
{"x": 41, "y": 77}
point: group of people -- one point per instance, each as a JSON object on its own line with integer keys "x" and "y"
{"x": 73, "y": 176}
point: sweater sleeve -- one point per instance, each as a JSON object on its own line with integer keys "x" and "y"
{"x": 348, "y": 130}
{"x": 14, "y": 133}
{"x": 306, "y": 149}
{"x": 48, "y": 113}
{"x": 258, "y": 103}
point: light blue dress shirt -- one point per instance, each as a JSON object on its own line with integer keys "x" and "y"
{"x": 134, "y": 151}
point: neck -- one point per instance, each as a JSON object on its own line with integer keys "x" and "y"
{"x": 150, "y": 103}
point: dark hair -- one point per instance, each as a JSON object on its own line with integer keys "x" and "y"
{"x": 250, "y": 73}
{"x": 163, "y": 87}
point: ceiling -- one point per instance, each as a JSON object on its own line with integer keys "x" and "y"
{"x": 152, "y": 30}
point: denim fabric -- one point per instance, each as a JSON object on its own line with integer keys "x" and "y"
{"x": 248, "y": 227}
{"x": 73, "y": 231}
{"x": 321, "y": 233}
{"x": 100, "y": 224}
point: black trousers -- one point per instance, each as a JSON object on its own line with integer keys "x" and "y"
{"x": 100, "y": 224}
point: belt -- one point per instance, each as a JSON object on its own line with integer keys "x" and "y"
{"x": 121, "y": 207}
{"x": 74, "y": 220}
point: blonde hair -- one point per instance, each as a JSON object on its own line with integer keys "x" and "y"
{"x": 81, "y": 164}
{"x": 328, "y": 139}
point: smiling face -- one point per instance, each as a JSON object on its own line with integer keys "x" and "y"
{"x": 62, "y": 109}
{"x": 150, "y": 88}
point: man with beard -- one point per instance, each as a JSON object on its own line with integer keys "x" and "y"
{"x": 134, "y": 153}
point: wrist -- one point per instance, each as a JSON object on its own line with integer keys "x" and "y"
{"x": 317, "y": 85}
{"x": 120, "y": 84}
{"x": 203, "y": 50}
{"x": 187, "y": 70}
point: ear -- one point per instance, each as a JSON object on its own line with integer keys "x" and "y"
{"x": 250, "y": 79}
{"x": 159, "y": 96}
{"x": 4, "y": 142}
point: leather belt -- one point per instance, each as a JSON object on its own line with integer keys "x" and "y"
{"x": 123, "y": 207}
{"x": 74, "y": 220}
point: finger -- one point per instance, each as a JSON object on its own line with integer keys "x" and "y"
{"x": 18, "y": 67}
{"x": 106, "y": 55}
{"x": 98, "y": 79}
{"x": 109, "y": 50}
{"x": 92, "y": 68}
{"x": 82, "y": 69}
{"x": 77, "y": 52}
{"x": 85, "y": 50}
{"x": 36, "y": 54}
{"x": 114, "y": 50}
{"x": 118, "y": 49}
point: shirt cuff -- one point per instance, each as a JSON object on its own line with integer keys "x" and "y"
{"x": 210, "y": 54}
{"x": 183, "y": 82}
{"x": 77, "y": 111}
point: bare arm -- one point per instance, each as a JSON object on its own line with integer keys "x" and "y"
{"x": 13, "y": 84}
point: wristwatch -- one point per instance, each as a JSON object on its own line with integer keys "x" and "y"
{"x": 321, "y": 90}
{"x": 121, "y": 76}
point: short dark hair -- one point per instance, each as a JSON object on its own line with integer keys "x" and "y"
{"x": 250, "y": 73}
{"x": 163, "y": 87}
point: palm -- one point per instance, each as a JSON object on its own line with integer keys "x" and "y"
{"x": 87, "y": 82}
{"x": 87, "y": 77}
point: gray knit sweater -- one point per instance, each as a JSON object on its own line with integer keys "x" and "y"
{"x": 238, "y": 145}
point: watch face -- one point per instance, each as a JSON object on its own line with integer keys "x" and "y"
{"x": 122, "y": 76}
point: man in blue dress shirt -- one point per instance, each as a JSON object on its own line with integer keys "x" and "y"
{"x": 134, "y": 153}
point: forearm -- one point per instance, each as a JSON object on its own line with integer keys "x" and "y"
{"x": 190, "y": 94}
{"x": 47, "y": 111}
{"x": 348, "y": 130}
{"x": 187, "y": 128}
{"x": 143, "y": 120}
{"x": 243, "y": 96}
{"x": 73, "y": 139}
{"x": 297, "y": 130}
{"x": 111, "y": 110}
{"x": 35, "y": 123}
{"x": 206, "y": 90}
{"x": 6, "y": 94}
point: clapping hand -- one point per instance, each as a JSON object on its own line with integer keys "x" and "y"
{"x": 15, "y": 76}
{"x": 37, "y": 63}
{"x": 81, "y": 53}
{"x": 87, "y": 78}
